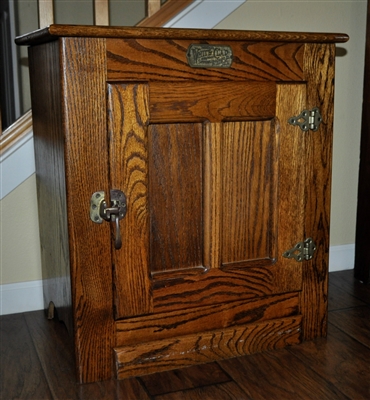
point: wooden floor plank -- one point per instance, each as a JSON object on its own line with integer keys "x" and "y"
{"x": 37, "y": 362}
{"x": 340, "y": 299}
{"x": 223, "y": 391}
{"x": 339, "y": 359}
{"x": 279, "y": 375}
{"x": 346, "y": 281}
{"x": 21, "y": 374}
{"x": 355, "y": 322}
{"x": 183, "y": 379}
{"x": 55, "y": 352}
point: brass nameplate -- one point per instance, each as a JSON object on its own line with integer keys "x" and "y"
{"x": 209, "y": 56}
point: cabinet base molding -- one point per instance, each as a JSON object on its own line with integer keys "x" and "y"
{"x": 205, "y": 347}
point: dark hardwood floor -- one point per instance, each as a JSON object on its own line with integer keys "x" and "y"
{"x": 37, "y": 362}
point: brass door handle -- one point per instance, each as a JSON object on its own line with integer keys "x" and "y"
{"x": 99, "y": 211}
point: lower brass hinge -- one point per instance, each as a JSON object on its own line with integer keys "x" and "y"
{"x": 302, "y": 251}
{"x": 307, "y": 119}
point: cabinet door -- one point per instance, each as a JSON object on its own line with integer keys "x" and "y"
{"x": 213, "y": 175}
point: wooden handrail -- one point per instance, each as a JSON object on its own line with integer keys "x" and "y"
{"x": 157, "y": 16}
{"x": 15, "y": 132}
{"x": 167, "y": 11}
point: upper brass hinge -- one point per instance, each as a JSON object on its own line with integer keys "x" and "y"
{"x": 302, "y": 251}
{"x": 307, "y": 119}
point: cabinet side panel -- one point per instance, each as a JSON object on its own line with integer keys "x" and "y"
{"x": 50, "y": 175}
{"x": 319, "y": 72}
{"x": 86, "y": 155}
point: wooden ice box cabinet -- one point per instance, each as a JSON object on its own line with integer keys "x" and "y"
{"x": 184, "y": 190}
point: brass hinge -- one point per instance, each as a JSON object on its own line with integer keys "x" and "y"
{"x": 307, "y": 119}
{"x": 302, "y": 251}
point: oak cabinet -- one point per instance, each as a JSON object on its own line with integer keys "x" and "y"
{"x": 220, "y": 145}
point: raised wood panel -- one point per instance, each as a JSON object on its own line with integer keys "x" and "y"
{"x": 126, "y": 59}
{"x": 206, "y": 347}
{"x": 83, "y": 101}
{"x": 215, "y": 102}
{"x": 128, "y": 141}
{"x": 319, "y": 73}
{"x": 250, "y": 169}
{"x": 175, "y": 193}
{"x": 215, "y": 316}
{"x": 249, "y": 203}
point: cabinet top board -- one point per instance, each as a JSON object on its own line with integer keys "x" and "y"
{"x": 53, "y": 32}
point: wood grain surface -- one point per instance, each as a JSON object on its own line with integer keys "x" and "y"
{"x": 83, "y": 100}
{"x": 54, "y": 31}
{"x": 20, "y": 379}
{"x": 249, "y": 202}
{"x": 219, "y": 185}
{"x": 205, "y": 347}
{"x": 51, "y": 180}
{"x": 290, "y": 101}
{"x": 37, "y": 362}
{"x": 126, "y": 60}
{"x": 211, "y": 101}
{"x": 128, "y": 146}
{"x": 175, "y": 192}
{"x": 318, "y": 160}
{"x": 220, "y": 285}
{"x": 213, "y": 316}
{"x": 212, "y": 195}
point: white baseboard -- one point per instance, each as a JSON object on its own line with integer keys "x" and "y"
{"x": 341, "y": 257}
{"x": 27, "y": 296}
{"x": 21, "y": 297}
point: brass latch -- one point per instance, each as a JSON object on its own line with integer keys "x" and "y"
{"x": 307, "y": 119}
{"x": 301, "y": 251}
{"x": 99, "y": 211}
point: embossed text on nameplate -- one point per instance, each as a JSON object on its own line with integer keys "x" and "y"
{"x": 209, "y": 56}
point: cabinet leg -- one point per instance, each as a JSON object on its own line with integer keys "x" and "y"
{"x": 51, "y": 310}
